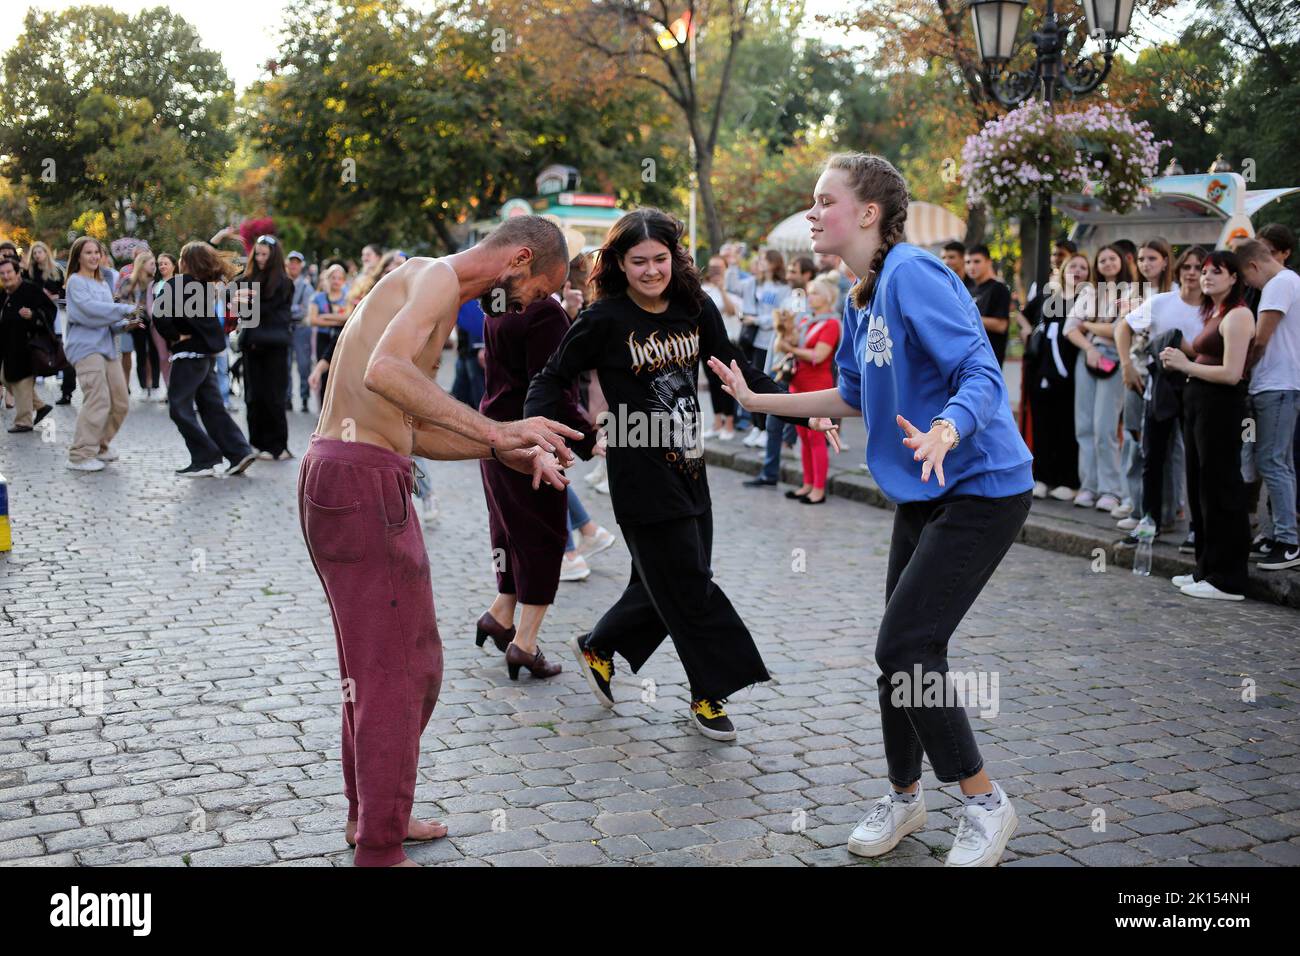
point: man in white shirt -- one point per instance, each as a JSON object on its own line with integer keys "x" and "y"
{"x": 1274, "y": 364}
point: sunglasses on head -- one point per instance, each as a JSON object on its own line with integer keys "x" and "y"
{"x": 269, "y": 240}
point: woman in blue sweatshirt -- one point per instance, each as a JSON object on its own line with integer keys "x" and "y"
{"x": 914, "y": 350}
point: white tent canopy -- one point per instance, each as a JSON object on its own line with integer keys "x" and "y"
{"x": 928, "y": 225}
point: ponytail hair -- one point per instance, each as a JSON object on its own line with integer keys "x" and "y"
{"x": 874, "y": 179}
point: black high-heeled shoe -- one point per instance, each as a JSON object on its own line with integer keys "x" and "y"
{"x": 488, "y": 627}
{"x": 819, "y": 501}
{"x": 795, "y": 496}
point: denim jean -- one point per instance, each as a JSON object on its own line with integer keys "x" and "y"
{"x": 1276, "y": 413}
{"x": 1097, "y": 404}
{"x": 423, "y": 486}
{"x": 468, "y": 385}
{"x": 777, "y": 432}
{"x": 1134, "y": 412}
{"x": 577, "y": 518}
{"x": 223, "y": 378}
{"x": 941, "y": 554}
{"x": 299, "y": 357}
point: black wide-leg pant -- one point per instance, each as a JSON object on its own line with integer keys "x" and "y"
{"x": 672, "y": 594}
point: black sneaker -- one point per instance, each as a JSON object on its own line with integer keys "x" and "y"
{"x": 65, "y": 400}
{"x": 1262, "y": 548}
{"x": 598, "y": 670}
{"x": 41, "y": 413}
{"x": 757, "y": 483}
{"x": 195, "y": 470}
{"x": 1282, "y": 557}
{"x": 1189, "y": 544}
{"x": 241, "y": 466}
{"x": 712, "y": 720}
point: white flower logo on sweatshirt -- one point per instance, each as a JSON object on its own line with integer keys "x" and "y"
{"x": 879, "y": 345}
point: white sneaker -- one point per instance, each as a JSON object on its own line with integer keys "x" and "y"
{"x": 160, "y": 396}
{"x": 1106, "y": 503}
{"x": 1122, "y": 510}
{"x": 265, "y": 456}
{"x": 601, "y": 486}
{"x": 845, "y": 446}
{"x": 108, "y": 455}
{"x": 726, "y": 435}
{"x": 1204, "y": 589}
{"x": 574, "y": 569}
{"x": 1127, "y": 524}
{"x": 709, "y": 433}
{"x": 1061, "y": 493}
{"x": 755, "y": 438}
{"x": 596, "y": 543}
{"x": 888, "y": 822}
{"x": 1182, "y": 580}
{"x": 1085, "y": 499}
{"x": 1040, "y": 489}
{"x": 90, "y": 464}
{"x": 596, "y": 475}
{"x": 982, "y": 834}
{"x": 429, "y": 509}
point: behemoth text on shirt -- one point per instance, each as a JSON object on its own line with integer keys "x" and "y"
{"x": 648, "y": 365}
{"x": 919, "y": 350}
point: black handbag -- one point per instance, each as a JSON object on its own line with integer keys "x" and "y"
{"x": 46, "y": 351}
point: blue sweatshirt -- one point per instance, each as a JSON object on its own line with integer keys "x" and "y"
{"x": 920, "y": 351}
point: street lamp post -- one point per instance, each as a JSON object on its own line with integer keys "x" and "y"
{"x": 996, "y": 24}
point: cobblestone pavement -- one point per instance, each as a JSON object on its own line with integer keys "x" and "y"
{"x": 1121, "y": 730}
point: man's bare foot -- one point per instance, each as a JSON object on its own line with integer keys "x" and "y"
{"x": 419, "y": 830}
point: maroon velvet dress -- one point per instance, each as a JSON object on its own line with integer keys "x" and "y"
{"x": 529, "y": 528}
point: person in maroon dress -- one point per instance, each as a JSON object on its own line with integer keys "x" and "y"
{"x": 528, "y": 528}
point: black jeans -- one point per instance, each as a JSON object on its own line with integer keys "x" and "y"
{"x": 671, "y": 594}
{"x": 940, "y": 557}
{"x": 1157, "y": 450}
{"x": 147, "y": 368}
{"x": 1212, "y": 424}
{"x": 194, "y": 382}
{"x": 266, "y": 381}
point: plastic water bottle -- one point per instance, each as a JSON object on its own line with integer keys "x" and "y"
{"x": 1145, "y": 534}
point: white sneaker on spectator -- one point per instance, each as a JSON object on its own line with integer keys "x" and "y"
{"x": 755, "y": 438}
{"x": 1182, "y": 580}
{"x": 982, "y": 834}
{"x": 1127, "y": 524}
{"x": 1106, "y": 503}
{"x": 597, "y": 473}
{"x": 709, "y": 433}
{"x": 1061, "y": 493}
{"x": 888, "y": 821}
{"x": 108, "y": 455}
{"x": 1122, "y": 510}
{"x": 1204, "y": 589}
{"x": 574, "y": 569}
{"x": 596, "y": 542}
{"x": 429, "y": 509}
{"x": 726, "y": 435}
{"x": 1040, "y": 489}
{"x": 90, "y": 464}
{"x": 1085, "y": 499}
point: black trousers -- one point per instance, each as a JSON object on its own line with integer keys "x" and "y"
{"x": 68, "y": 382}
{"x": 1056, "y": 452}
{"x": 723, "y": 404}
{"x": 194, "y": 383}
{"x": 672, "y": 594}
{"x": 148, "y": 371}
{"x": 1212, "y": 424}
{"x": 1157, "y": 449}
{"x": 940, "y": 557}
{"x": 266, "y": 381}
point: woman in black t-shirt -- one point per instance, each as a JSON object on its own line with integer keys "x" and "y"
{"x": 645, "y": 334}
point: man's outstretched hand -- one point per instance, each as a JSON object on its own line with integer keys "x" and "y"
{"x": 550, "y": 435}
{"x": 535, "y": 461}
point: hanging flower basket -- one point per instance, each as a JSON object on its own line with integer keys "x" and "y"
{"x": 1098, "y": 151}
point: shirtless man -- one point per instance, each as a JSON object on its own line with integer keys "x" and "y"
{"x": 354, "y": 500}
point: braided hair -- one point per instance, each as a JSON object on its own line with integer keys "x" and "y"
{"x": 874, "y": 179}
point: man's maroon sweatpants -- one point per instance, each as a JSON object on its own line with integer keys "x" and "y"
{"x": 354, "y": 502}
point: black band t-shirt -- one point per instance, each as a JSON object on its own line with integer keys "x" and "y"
{"x": 648, "y": 364}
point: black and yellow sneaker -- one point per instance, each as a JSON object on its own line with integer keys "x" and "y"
{"x": 712, "y": 720}
{"x": 598, "y": 670}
